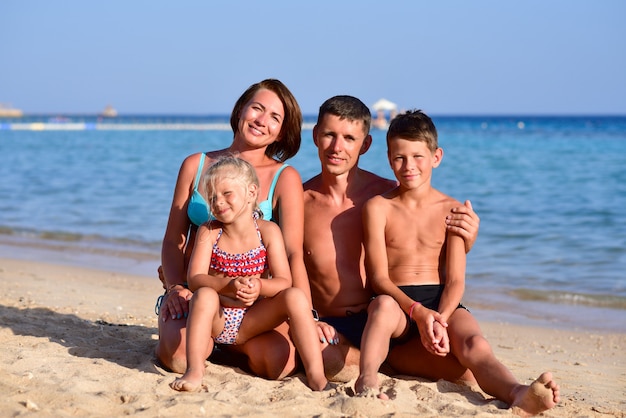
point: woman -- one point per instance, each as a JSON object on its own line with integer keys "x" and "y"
{"x": 267, "y": 125}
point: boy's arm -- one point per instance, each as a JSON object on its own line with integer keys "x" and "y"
{"x": 376, "y": 262}
{"x": 455, "y": 276}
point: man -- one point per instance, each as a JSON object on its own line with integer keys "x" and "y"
{"x": 333, "y": 235}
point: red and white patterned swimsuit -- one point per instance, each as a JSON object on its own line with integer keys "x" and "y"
{"x": 250, "y": 263}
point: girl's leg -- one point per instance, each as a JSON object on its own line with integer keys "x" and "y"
{"x": 204, "y": 318}
{"x": 291, "y": 304}
{"x": 474, "y": 352}
{"x": 305, "y": 337}
{"x": 385, "y": 319}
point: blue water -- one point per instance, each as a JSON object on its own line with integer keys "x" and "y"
{"x": 550, "y": 191}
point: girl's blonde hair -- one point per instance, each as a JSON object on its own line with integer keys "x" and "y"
{"x": 231, "y": 167}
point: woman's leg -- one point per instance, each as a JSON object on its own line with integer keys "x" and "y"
{"x": 171, "y": 348}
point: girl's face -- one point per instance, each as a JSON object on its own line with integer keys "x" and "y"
{"x": 230, "y": 199}
{"x": 261, "y": 119}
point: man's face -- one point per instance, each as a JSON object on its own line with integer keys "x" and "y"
{"x": 340, "y": 142}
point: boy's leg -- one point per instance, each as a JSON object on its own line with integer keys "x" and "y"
{"x": 385, "y": 320}
{"x": 474, "y": 352}
{"x": 412, "y": 359}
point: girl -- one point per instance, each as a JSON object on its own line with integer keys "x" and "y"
{"x": 241, "y": 279}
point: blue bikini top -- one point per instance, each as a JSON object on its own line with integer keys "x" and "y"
{"x": 198, "y": 210}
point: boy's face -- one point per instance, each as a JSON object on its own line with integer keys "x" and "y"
{"x": 412, "y": 162}
{"x": 340, "y": 143}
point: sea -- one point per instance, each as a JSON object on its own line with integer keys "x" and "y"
{"x": 550, "y": 192}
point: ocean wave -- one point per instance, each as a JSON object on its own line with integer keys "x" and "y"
{"x": 88, "y": 243}
{"x": 570, "y": 298}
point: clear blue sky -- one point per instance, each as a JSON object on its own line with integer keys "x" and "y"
{"x": 446, "y": 57}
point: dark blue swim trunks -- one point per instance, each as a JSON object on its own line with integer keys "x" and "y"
{"x": 428, "y": 295}
{"x": 350, "y": 326}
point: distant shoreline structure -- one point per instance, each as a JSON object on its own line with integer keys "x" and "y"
{"x": 109, "y": 112}
{"x": 221, "y": 122}
{"x": 7, "y": 111}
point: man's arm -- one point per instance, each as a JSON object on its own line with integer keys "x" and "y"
{"x": 464, "y": 222}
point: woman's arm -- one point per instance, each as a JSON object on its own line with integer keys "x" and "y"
{"x": 174, "y": 245}
{"x": 276, "y": 258}
{"x": 289, "y": 212}
{"x": 178, "y": 224}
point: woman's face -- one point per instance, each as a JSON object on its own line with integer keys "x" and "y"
{"x": 261, "y": 119}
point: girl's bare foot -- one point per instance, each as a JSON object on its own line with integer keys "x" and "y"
{"x": 317, "y": 383}
{"x": 541, "y": 395}
{"x": 189, "y": 382}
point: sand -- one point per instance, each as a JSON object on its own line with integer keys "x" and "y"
{"x": 79, "y": 342}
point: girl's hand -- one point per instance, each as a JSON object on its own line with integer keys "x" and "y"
{"x": 248, "y": 290}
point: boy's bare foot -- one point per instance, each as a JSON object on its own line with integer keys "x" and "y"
{"x": 189, "y": 382}
{"x": 541, "y": 395}
{"x": 367, "y": 387}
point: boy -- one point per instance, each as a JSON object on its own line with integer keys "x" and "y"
{"x": 418, "y": 269}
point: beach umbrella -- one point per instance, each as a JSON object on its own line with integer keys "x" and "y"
{"x": 384, "y": 104}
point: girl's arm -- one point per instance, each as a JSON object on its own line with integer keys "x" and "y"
{"x": 200, "y": 263}
{"x": 289, "y": 211}
{"x": 276, "y": 258}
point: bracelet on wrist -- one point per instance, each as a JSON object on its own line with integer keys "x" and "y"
{"x": 316, "y": 317}
{"x": 413, "y": 305}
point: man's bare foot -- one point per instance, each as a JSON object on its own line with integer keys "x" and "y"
{"x": 367, "y": 387}
{"x": 541, "y": 395}
{"x": 189, "y": 382}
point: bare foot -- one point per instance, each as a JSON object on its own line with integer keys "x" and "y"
{"x": 317, "y": 383}
{"x": 367, "y": 387}
{"x": 540, "y": 396}
{"x": 189, "y": 382}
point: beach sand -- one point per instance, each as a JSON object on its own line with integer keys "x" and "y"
{"x": 79, "y": 342}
